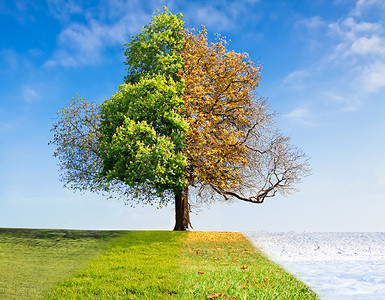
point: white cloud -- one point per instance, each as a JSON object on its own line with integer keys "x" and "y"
{"x": 342, "y": 102}
{"x": 301, "y": 115}
{"x": 18, "y": 9}
{"x": 296, "y": 78}
{"x": 349, "y": 29}
{"x": 311, "y": 23}
{"x": 222, "y": 15}
{"x": 355, "y": 50}
{"x": 366, "y": 46}
{"x": 108, "y": 24}
{"x": 210, "y": 16}
{"x": 80, "y": 44}
{"x": 358, "y": 37}
{"x": 29, "y": 94}
{"x": 63, "y": 9}
{"x": 361, "y": 49}
{"x": 372, "y": 77}
{"x": 364, "y": 5}
{"x": 83, "y": 44}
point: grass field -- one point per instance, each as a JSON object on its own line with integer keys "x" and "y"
{"x": 139, "y": 265}
{"x": 32, "y": 261}
{"x": 60, "y": 264}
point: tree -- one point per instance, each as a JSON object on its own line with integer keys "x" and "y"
{"x": 187, "y": 116}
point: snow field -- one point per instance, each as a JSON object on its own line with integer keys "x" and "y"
{"x": 336, "y": 265}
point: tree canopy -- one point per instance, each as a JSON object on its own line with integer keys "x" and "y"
{"x": 186, "y": 116}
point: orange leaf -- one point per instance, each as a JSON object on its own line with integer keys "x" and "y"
{"x": 201, "y": 272}
{"x": 213, "y": 296}
{"x": 244, "y": 267}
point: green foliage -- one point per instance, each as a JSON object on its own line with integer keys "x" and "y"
{"x": 34, "y": 260}
{"x": 157, "y": 49}
{"x": 77, "y": 140}
{"x": 76, "y": 136}
{"x": 154, "y": 100}
{"x": 142, "y": 130}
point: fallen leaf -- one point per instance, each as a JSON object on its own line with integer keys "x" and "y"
{"x": 216, "y": 258}
{"x": 201, "y": 272}
{"x": 213, "y": 296}
{"x": 244, "y": 267}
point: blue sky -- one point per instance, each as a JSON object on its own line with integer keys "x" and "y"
{"x": 324, "y": 73}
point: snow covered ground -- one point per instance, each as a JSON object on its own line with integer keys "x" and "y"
{"x": 336, "y": 265}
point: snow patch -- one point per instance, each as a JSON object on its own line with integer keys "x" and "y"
{"x": 335, "y": 265}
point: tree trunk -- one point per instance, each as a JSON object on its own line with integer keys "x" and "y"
{"x": 182, "y": 211}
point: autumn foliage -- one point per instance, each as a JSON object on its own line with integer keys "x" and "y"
{"x": 233, "y": 148}
{"x": 217, "y": 93}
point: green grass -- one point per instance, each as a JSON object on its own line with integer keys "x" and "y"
{"x": 32, "y": 261}
{"x": 139, "y": 265}
{"x": 57, "y": 264}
